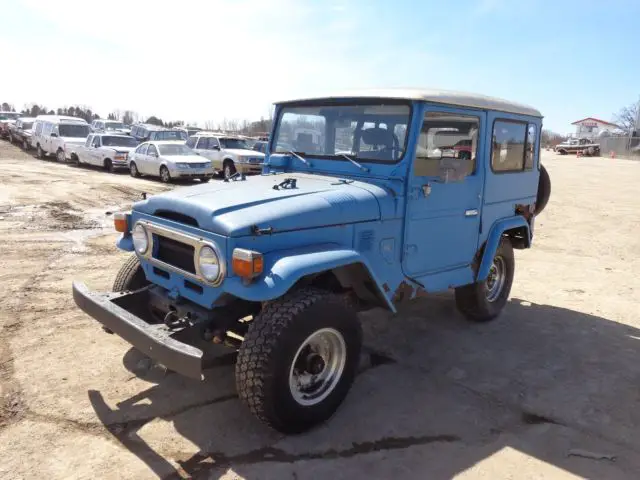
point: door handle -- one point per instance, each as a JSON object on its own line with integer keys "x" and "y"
{"x": 471, "y": 213}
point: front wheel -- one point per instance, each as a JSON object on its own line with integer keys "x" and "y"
{"x": 229, "y": 169}
{"x": 299, "y": 359}
{"x": 130, "y": 277}
{"x": 108, "y": 165}
{"x": 483, "y": 301}
{"x": 165, "y": 176}
{"x": 25, "y": 145}
{"x": 40, "y": 153}
{"x": 133, "y": 170}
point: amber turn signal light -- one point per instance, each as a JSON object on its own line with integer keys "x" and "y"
{"x": 247, "y": 263}
{"x": 120, "y": 222}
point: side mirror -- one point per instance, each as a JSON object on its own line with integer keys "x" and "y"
{"x": 216, "y": 147}
{"x": 154, "y": 155}
{"x": 54, "y": 134}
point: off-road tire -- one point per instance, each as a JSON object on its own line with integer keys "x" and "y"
{"x": 270, "y": 346}
{"x": 544, "y": 190}
{"x": 472, "y": 301}
{"x": 130, "y": 277}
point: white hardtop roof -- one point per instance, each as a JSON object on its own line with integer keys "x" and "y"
{"x": 60, "y": 118}
{"x": 215, "y": 134}
{"x": 445, "y": 97}
{"x": 165, "y": 142}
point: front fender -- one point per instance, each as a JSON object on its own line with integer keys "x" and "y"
{"x": 493, "y": 240}
{"x": 284, "y": 268}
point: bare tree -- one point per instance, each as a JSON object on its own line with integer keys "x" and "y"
{"x": 551, "y": 139}
{"x": 627, "y": 116}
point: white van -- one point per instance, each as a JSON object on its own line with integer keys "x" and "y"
{"x": 58, "y": 135}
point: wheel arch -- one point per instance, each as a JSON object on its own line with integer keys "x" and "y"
{"x": 326, "y": 266}
{"x": 515, "y": 228}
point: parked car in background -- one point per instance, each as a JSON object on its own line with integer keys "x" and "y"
{"x": 102, "y": 125}
{"x": 6, "y": 119}
{"x": 58, "y": 135}
{"x": 141, "y": 131}
{"x": 166, "y": 135}
{"x": 574, "y": 145}
{"x": 107, "y": 150}
{"x": 262, "y": 145}
{"x": 20, "y": 132}
{"x": 228, "y": 153}
{"x": 188, "y": 130}
{"x": 169, "y": 161}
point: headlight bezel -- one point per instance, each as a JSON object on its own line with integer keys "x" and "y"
{"x": 222, "y": 271}
{"x": 145, "y": 235}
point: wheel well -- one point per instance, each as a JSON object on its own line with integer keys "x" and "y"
{"x": 353, "y": 279}
{"x": 519, "y": 237}
{"x": 227, "y": 160}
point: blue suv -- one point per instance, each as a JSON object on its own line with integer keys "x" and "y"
{"x": 365, "y": 200}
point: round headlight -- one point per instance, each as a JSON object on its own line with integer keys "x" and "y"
{"x": 140, "y": 239}
{"x": 209, "y": 264}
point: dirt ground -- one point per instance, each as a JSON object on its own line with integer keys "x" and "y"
{"x": 549, "y": 390}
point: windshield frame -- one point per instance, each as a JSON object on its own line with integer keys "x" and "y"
{"x": 350, "y": 102}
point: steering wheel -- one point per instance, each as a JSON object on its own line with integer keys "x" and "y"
{"x": 395, "y": 149}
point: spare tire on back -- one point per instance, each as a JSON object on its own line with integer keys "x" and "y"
{"x": 544, "y": 190}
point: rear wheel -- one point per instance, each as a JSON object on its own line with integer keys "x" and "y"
{"x": 165, "y": 176}
{"x": 483, "y": 301}
{"x": 39, "y": 152}
{"x": 298, "y": 359}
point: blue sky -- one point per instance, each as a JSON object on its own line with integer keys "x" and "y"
{"x": 209, "y": 60}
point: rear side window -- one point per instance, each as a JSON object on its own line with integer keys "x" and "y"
{"x": 530, "y": 147}
{"x": 142, "y": 149}
{"x": 191, "y": 142}
{"x": 508, "y": 146}
{"x": 203, "y": 143}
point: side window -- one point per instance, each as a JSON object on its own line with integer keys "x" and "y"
{"x": 448, "y": 144}
{"x": 530, "y": 147}
{"x": 191, "y": 142}
{"x": 152, "y": 150}
{"x": 96, "y": 141}
{"x": 142, "y": 149}
{"x": 213, "y": 142}
{"x": 203, "y": 143}
{"x": 47, "y": 129}
{"x": 88, "y": 142}
{"x": 134, "y": 131}
{"x": 38, "y": 128}
{"x": 508, "y": 146}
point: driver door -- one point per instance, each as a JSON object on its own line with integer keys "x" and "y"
{"x": 444, "y": 201}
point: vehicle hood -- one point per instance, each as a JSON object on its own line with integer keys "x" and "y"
{"x": 185, "y": 159}
{"x": 233, "y": 208}
{"x": 122, "y": 149}
{"x": 241, "y": 152}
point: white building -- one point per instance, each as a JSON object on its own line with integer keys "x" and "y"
{"x": 591, "y": 128}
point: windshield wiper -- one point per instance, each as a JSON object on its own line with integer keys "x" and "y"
{"x": 360, "y": 166}
{"x": 299, "y": 157}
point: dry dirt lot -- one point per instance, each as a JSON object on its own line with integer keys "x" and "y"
{"x": 554, "y": 380}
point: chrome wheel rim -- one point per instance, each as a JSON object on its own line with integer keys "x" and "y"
{"x": 133, "y": 169}
{"x": 227, "y": 171}
{"x": 61, "y": 156}
{"x": 496, "y": 279}
{"x": 317, "y": 366}
{"x": 164, "y": 174}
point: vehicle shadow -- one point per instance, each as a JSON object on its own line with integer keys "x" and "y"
{"x": 463, "y": 390}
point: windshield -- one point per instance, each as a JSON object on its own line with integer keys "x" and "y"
{"x": 73, "y": 131}
{"x": 234, "y": 143}
{"x": 114, "y": 141}
{"x": 177, "y": 149}
{"x": 369, "y": 131}
{"x": 113, "y": 125}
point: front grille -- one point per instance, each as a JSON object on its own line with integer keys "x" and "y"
{"x": 176, "y": 254}
{"x": 254, "y": 160}
{"x": 198, "y": 165}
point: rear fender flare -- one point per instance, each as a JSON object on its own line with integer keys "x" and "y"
{"x": 493, "y": 241}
